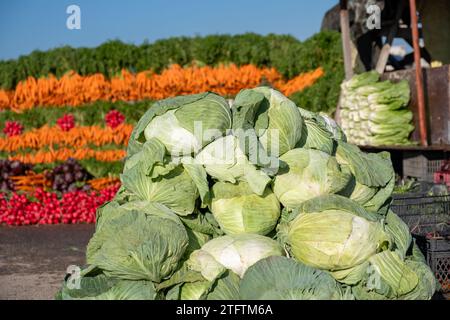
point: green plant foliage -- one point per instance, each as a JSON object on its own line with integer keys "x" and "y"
{"x": 86, "y": 115}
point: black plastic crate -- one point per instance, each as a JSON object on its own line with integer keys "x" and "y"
{"x": 437, "y": 253}
{"x": 428, "y": 218}
{"x": 424, "y": 214}
{"x": 439, "y": 262}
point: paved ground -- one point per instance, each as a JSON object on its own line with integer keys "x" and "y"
{"x": 33, "y": 259}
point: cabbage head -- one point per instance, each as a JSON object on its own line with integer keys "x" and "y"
{"x": 176, "y": 128}
{"x": 173, "y": 122}
{"x": 275, "y": 119}
{"x": 233, "y": 252}
{"x": 142, "y": 241}
{"x": 334, "y": 233}
{"x": 238, "y": 209}
{"x": 309, "y": 173}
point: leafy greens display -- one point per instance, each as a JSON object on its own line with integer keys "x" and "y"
{"x": 374, "y": 113}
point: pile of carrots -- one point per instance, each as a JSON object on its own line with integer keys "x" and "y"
{"x": 76, "y": 137}
{"x": 74, "y": 90}
{"x": 103, "y": 183}
{"x": 30, "y": 182}
{"x": 63, "y": 154}
{"x": 302, "y": 81}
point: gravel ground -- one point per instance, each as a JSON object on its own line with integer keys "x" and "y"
{"x": 33, "y": 259}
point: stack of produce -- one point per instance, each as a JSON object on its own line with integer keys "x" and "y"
{"x": 375, "y": 113}
{"x": 232, "y": 214}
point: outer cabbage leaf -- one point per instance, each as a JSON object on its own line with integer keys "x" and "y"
{"x": 94, "y": 285}
{"x": 368, "y": 168}
{"x": 226, "y": 287}
{"x": 333, "y": 127}
{"x": 353, "y": 275}
{"x": 335, "y": 238}
{"x": 394, "y": 272}
{"x": 129, "y": 290}
{"x": 399, "y": 232}
{"x": 285, "y": 122}
{"x": 315, "y": 135}
{"x": 426, "y": 287}
{"x": 175, "y": 189}
{"x": 203, "y": 223}
{"x": 280, "y": 278}
{"x": 374, "y": 176}
{"x": 394, "y": 278}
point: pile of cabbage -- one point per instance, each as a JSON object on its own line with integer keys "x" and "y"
{"x": 375, "y": 112}
{"x": 307, "y": 218}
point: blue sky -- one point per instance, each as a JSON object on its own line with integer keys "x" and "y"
{"x": 26, "y": 25}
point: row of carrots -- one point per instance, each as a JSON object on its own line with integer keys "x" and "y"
{"x": 62, "y": 154}
{"x": 32, "y": 181}
{"x": 76, "y": 137}
{"x": 74, "y": 90}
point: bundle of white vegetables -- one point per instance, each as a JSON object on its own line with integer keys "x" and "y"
{"x": 198, "y": 217}
{"x": 375, "y": 113}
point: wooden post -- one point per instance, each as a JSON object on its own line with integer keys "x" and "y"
{"x": 419, "y": 75}
{"x": 384, "y": 54}
{"x": 345, "y": 34}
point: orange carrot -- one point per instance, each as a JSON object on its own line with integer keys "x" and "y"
{"x": 74, "y": 90}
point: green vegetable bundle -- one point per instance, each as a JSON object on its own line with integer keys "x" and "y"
{"x": 268, "y": 202}
{"x": 375, "y": 113}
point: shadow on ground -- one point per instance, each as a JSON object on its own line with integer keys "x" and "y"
{"x": 33, "y": 259}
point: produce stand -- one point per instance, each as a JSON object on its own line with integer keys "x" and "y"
{"x": 427, "y": 216}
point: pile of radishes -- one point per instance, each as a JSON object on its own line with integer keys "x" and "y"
{"x": 43, "y": 207}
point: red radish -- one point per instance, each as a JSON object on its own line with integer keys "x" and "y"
{"x": 66, "y": 122}
{"x": 12, "y": 128}
{"x": 114, "y": 118}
